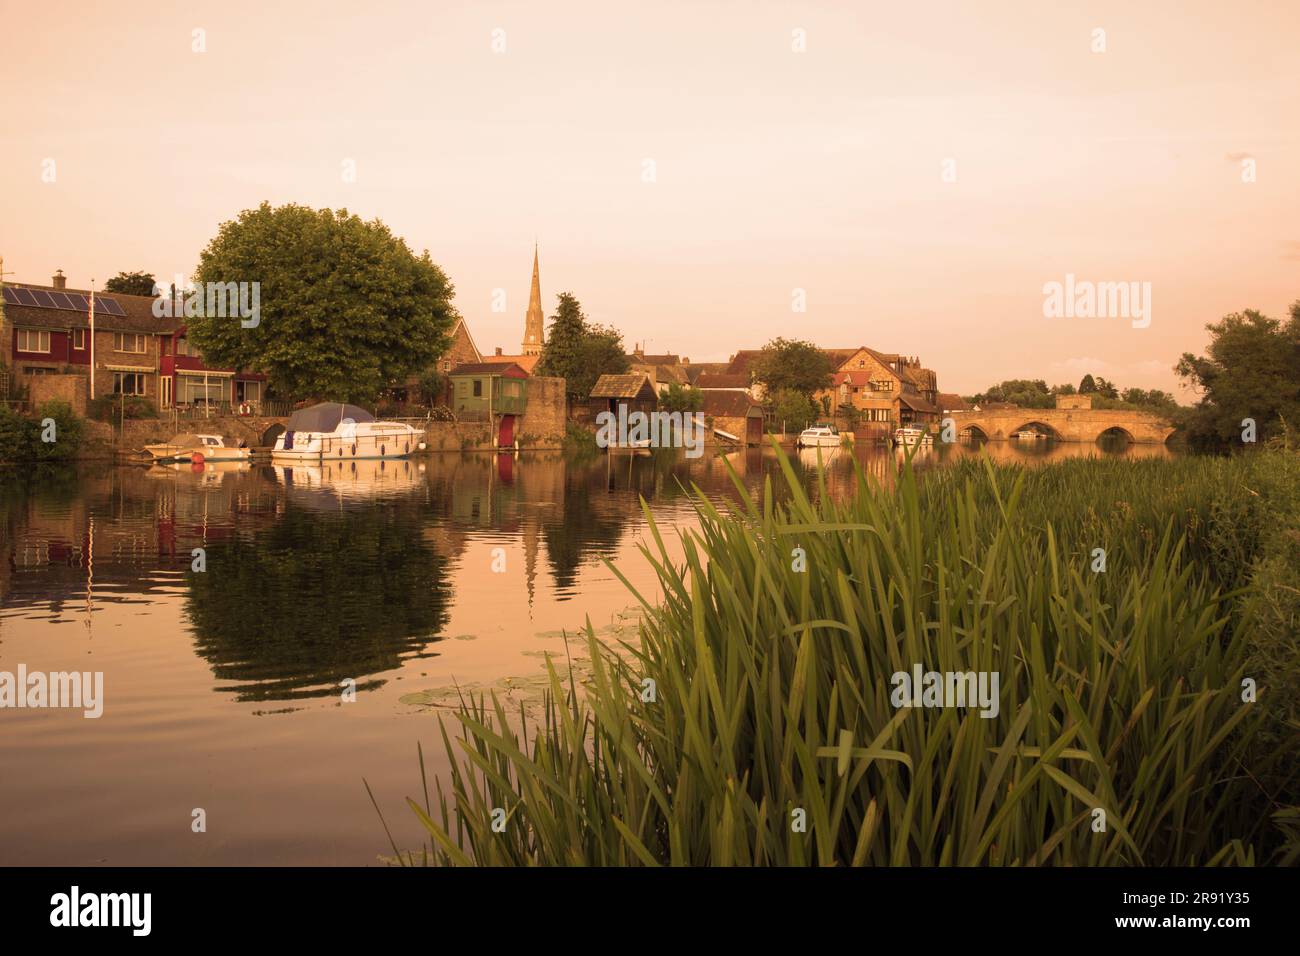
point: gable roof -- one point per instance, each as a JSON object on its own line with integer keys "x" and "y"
{"x": 461, "y": 324}
{"x": 951, "y": 402}
{"x": 621, "y": 386}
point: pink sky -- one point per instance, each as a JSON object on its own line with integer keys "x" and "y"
{"x": 776, "y": 170}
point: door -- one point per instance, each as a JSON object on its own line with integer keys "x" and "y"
{"x": 165, "y": 398}
{"x": 754, "y": 430}
{"x": 506, "y": 436}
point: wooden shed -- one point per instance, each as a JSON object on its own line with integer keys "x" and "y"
{"x": 635, "y": 390}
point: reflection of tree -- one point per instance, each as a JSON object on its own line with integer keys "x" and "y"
{"x": 318, "y": 598}
{"x": 589, "y": 520}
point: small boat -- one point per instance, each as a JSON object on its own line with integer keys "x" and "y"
{"x": 1028, "y": 435}
{"x": 334, "y": 431}
{"x": 911, "y": 435}
{"x": 188, "y": 446}
{"x": 819, "y": 436}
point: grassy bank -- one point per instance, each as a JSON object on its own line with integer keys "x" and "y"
{"x": 1122, "y": 736}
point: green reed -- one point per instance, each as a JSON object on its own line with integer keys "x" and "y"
{"x": 1121, "y": 691}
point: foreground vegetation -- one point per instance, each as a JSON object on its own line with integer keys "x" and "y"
{"x": 1125, "y": 693}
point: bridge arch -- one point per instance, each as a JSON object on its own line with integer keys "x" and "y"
{"x": 1115, "y": 431}
{"x": 1036, "y": 424}
{"x": 974, "y": 432}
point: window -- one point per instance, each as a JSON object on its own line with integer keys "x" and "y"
{"x": 128, "y": 342}
{"x": 882, "y": 385}
{"x": 128, "y": 383}
{"x": 248, "y": 391}
{"x": 191, "y": 389}
{"x": 38, "y": 370}
{"x": 446, "y": 365}
{"x": 182, "y": 346}
{"x": 33, "y": 340}
{"x": 164, "y": 346}
{"x": 78, "y": 338}
{"x": 478, "y": 388}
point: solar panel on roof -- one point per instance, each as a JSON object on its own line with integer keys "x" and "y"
{"x": 60, "y": 300}
{"x": 107, "y": 306}
{"x": 116, "y": 307}
{"x": 10, "y": 298}
{"x": 25, "y": 297}
{"x": 78, "y": 301}
{"x": 42, "y": 298}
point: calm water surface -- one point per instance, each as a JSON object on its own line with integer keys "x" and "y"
{"x": 222, "y": 688}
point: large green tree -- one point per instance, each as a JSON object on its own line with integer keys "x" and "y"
{"x": 131, "y": 283}
{"x": 346, "y": 308}
{"x": 579, "y": 351}
{"x": 793, "y": 365}
{"x": 1251, "y": 369}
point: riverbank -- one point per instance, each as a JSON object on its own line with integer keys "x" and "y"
{"x": 1141, "y": 616}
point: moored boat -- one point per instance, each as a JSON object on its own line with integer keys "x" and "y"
{"x": 337, "y": 431}
{"x": 822, "y": 435}
{"x": 911, "y": 435}
{"x": 188, "y": 446}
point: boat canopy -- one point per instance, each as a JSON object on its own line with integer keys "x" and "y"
{"x": 186, "y": 440}
{"x": 326, "y": 417}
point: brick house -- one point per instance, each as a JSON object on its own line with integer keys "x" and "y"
{"x": 135, "y": 351}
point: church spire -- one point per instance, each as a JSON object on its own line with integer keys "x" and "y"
{"x": 534, "y": 335}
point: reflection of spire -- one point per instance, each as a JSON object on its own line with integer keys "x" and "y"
{"x": 530, "y": 555}
{"x": 534, "y": 336}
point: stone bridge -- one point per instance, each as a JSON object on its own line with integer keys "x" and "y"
{"x": 1062, "y": 424}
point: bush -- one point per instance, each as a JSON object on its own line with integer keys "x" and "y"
{"x": 57, "y": 421}
{"x": 15, "y": 435}
{"x": 1119, "y": 690}
{"x": 25, "y": 439}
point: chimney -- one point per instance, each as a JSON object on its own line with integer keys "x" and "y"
{"x": 498, "y": 350}
{"x": 686, "y": 360}
{"x": 60, "y": 280}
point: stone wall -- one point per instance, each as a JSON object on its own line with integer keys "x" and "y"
{"x": 545, "y": 415}
{"x": 73, "y": 389}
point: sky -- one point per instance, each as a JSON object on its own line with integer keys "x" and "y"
{"x": 704, "y": 176}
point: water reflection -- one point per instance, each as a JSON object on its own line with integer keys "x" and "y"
{"x": 315, "y": 574}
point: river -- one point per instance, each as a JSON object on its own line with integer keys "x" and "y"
{"x": 227, "y": 689}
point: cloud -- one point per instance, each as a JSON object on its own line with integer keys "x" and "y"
{"x": 1290, "y": 248}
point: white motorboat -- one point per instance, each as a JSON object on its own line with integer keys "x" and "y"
{"x": 1028, "y": 435}
{"x": 911, "y": 435}
{"x": 334, "y": 431}
{"x": 819, "y": 436}
{"x": 188, "y": 446}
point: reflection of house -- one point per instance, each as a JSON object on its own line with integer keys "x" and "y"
{"x": 488, "y": 392}
{"x": 635, "y": 390}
